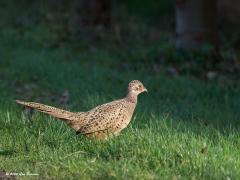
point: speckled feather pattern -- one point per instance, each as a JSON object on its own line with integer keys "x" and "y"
{"x": 102, "y": 121}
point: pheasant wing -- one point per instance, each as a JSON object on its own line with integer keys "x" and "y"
{"x": 103, "y": 118}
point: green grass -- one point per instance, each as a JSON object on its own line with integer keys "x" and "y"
{"x": 183, "y": 129}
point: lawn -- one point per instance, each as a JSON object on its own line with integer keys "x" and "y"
{"x": 184, "y": 128}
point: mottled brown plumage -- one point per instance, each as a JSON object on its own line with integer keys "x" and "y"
{"x": 102, "y": 121}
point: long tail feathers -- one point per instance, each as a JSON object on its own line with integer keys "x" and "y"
{"x": 67, "y": 116}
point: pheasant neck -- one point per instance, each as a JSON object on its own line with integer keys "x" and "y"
{"x": 132, "y": 97}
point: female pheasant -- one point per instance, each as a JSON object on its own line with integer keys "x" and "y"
{"x": 102, "y": 121}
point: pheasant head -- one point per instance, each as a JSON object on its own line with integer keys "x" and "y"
{"x": 135, "y": 88}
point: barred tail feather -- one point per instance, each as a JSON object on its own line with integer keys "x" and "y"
{"x": 58, "y": 113}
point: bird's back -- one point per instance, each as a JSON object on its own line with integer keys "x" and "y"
{"x": 108, "y": 118}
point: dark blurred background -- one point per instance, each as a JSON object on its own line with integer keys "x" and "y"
{"x": 196, "y": 38}
{"x": 206, "y": 29}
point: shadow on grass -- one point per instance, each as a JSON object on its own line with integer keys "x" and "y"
{"x": 7, "y": 152}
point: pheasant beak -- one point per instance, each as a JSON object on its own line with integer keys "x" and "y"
{"x": 145, "y": 90}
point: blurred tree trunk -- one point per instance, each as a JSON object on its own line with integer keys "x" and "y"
{"x": 195, "y": 23}
{"x": 94, "y": 12}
